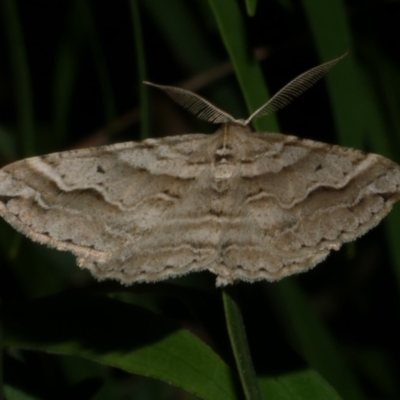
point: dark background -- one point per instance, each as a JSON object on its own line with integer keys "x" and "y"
{"x": 70, "y": 77}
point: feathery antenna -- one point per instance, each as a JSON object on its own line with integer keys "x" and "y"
{"x": 294, "y": 89}
{"x": 198, "y": 105}
{"x": 206, "y": 111}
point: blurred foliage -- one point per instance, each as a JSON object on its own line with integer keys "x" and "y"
{"x": 70, "y": 77}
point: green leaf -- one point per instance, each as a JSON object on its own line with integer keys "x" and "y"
{"x": 122, "y": 336}
{"x": 13, "y": 393}
{"x": 300, "y": 385}
{"x": 251, "y": 6}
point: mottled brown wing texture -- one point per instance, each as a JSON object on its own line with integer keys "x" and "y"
{"x": 306, "y": 198}
{"x": 243, "y": 205}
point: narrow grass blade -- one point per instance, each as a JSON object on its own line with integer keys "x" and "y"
{"x": 326, "y": 18}
{"x": 357, "y": 113}
{"x": 192, "y": 49}
{"x": 141, "y": 65}
{"x": 378, "y": 137}
{"x": 239, "y": 344}
{"x": 248, "y": 72}
{"x": 22, "y": 81}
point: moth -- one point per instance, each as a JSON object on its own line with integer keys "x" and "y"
{"x": 244, "y": 205}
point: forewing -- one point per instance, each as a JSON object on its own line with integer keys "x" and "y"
{"x": 243, "y": 205}
{"x": 102, "y": 203}
{"x": 308, "y": 198}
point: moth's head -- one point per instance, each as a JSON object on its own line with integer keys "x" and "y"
{"x": 240, "y": 122}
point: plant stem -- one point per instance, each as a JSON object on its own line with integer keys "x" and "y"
{"x": 141, "y": 64}
{"x": 240, "y": 346}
